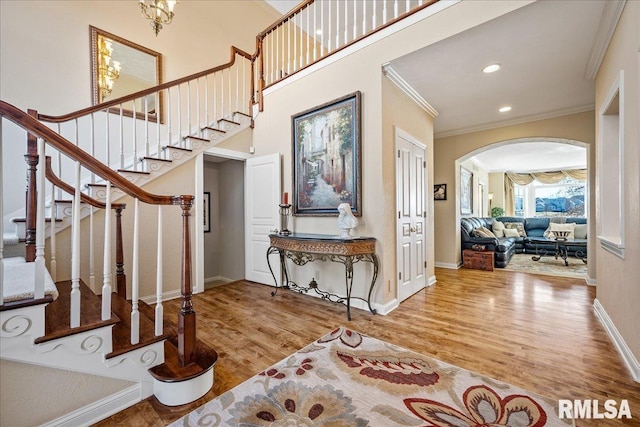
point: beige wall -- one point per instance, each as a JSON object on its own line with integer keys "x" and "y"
{"x": 400, "y": 112}
{"x": 23, "y": 406}
{"x": 618, "y": 284}
{"x": 576, "y": 127}
{"x": 361, "y": 71}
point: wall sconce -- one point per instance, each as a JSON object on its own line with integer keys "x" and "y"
{"x": 490, "y": 196}
{"x": 158, "y": 12}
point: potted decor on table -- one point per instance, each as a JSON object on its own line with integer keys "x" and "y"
{"x": 497, "y": 212}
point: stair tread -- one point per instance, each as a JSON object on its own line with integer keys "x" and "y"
{"x": 229, "y": 121}
{"x": 11, "y": 305}
{"x": 121, "y": 332}
{"x": 214, "y": 129}
{"x": 179, "y": 148}
{"x": 130, "y": 171}
{"x": 243, "y": 114}
{"x": 57, "y": 314}
{"x": 156, "y": 159}
{"x": 196, "y": 137}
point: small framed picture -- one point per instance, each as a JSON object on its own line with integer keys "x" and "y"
{"x": 440, "y": 192}
{"x": 206, "y": 206}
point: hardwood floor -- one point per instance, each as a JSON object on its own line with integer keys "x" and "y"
{"x": 536, "y": 332}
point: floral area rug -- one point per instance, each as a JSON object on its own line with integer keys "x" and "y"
{"x": 349, "y": 379}
{"x": 548, "y": 265}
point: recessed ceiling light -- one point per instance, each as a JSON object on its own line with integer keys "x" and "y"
{"x": 505, "y": 109}
{"x": 491, "y": 68}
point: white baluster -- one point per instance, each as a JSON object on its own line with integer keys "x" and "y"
{"x": 146, "y": 126}
{"x": 106, "y": 268}
{"x": 169, "y": 114}
{"x": 230, "y": 112}
{"x": 355, "y": 20}
{"x": 75, "y": 254}
{"x": 188, "y": 114}
{"x": 135, "y": 136}
{"x": 121, "y": 139}
{"x": 197, "y": 133}
{"x": 206, "y": 102}
{"x": 237, "y": 66}
{"x": 384, "y": 12}
{"x": 158, "y": 118}
{"x": 107, "y": 151}
{"x": 313, "y": 31}
{"x": 374, "y": 18}
{"x": 40, "y": 224}
{"x": 245, "y": 98}
{"x": 308, "y": 37}
{"x": 289, "y": 36}
{"x": 277, "y": 43}
{"x": 179, "y": 142}
{"x": 215, "y": 99}
{"x": 322, "y": 27}
{"x": 92, "y": 275}
{"x": 301, "y": 45}
{"x": 407, "y": 5}
{"x": 135, "y": 315}
{"x": 364, "y": 18}
{"x": 395, "y": 9}
{"x": 346, "y": 22}
{"x": 159, "y": 313}
{"x": 53, "y": 262}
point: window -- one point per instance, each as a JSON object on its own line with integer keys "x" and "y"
{"x": 566, "y": 198}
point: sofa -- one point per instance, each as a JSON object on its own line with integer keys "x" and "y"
{"x": 532, "y": 233}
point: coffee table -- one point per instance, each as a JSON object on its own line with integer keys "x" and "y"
{"x": 560, "y": 248}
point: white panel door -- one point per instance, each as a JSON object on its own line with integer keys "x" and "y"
{"x": 262, "y": 194}
{"x": 411, "y": 208}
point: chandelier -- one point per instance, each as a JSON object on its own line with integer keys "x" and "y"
{"x": 108, "y": 71}
{"x": 158, "y": 12}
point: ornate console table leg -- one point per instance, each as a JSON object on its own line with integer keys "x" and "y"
{"x": 270, "y": 251}
{"x": 348, "y": 266}
{"x": 374, "y": 261}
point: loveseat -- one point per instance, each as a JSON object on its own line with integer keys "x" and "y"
{"x": 531, "y": 232}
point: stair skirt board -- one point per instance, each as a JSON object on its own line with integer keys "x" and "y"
{"x": 103, "y": 408}
{"x": 177, "y": 393}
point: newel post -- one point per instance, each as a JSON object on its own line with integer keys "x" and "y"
{"x": 186, "y": 317}
{"x": 31, "y": 197}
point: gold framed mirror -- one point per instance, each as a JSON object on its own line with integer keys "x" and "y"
{"x": 120, "y": 67}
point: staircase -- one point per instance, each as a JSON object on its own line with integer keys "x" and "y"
{"x": 82, "y": 312}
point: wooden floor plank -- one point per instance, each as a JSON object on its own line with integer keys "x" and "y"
{"x": 535, "y": 332}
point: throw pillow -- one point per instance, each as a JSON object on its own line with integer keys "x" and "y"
{"x": 482, "y": 232}
{"x": 581, "y": 231}
{"x": 517, "y": 226}
{"x": 498, "y": 228}
{"x": 570, "y": 227}
{"x": 511, "y": 232}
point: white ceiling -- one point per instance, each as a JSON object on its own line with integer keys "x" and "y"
{"x": 545, "y": 49}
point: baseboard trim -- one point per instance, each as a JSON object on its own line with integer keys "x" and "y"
{"x": 387, "y": 308}
{"x": 590, "y": 280}
{"x": 100, "y": 409}
{"x": 624, "y": 350}
{"x": 432, "y": 281}
{"x": 166, "y": 296}
{"x": 447, "y": 265}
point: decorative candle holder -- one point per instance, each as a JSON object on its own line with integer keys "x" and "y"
{"x": 285, "y": 211}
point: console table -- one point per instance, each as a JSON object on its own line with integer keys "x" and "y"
{"x": 303, "y": 248}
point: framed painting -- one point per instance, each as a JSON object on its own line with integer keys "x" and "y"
{"x": 440, "y": 192}
{"x": 206, "y": 206}
{"x": 327, "y": 158}
{"x": 466, "y": 191}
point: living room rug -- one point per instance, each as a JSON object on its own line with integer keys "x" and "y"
{"x": 350, "y": 379}
{"x": 548, "y": 265}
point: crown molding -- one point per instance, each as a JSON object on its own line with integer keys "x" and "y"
{"x": 517, "y": 121}
{"x": 399, "y": 81}
{"x": 608, "y": 23}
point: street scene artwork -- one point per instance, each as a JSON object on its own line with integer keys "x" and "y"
{"x": 326, "y": 158}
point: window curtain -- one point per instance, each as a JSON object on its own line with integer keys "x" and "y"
{"x": 553, "y": 177}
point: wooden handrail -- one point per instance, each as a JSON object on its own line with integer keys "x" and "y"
{"x": 145, "y": 92}
{"x": 293, "y": 12}
{"x": 38, "y": 129}
{"x": 53, "y": 178}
